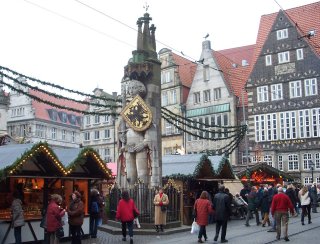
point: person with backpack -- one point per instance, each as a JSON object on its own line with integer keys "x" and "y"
{"x": 95, "y": 213}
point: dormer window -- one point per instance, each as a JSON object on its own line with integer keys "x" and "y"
{"x": 72, "y": 119}
{"x": 53, "y": 114}
{"x": 63, "y": 117}
{"x": 282, "y": 34}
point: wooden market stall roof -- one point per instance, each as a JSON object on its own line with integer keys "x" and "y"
{"x": 198, "y": 166}
{"x": 44, "y": 161}
{"x": 262, "y": 172}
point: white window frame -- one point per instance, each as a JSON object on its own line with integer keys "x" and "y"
{"x": 217, "y": 93}
{"x": 165, "y": 98}
{"x": 280, "y": 162}
{"x": 307, "y": 158}
{"x": 307, "y": 180}
{"x": 310, "y": 87}
{"x": 268, "y": 60}
{"x": 97, "y": 119}
{"x": 300, "y": 54}
{"x": 276, "y": 92}
{"x": 54, "y": 133}
{"x": 207, "y": 95}
{"x": 293, "y": 162}
{"x": 86, "y": 136}
{"x": 282, "y": 34}
{"x": 295, "y": 89}
{"x": 96, "y": 135}
{"x": 107, "y": 134}
{"x": 262, "y": 94}
{"x": 63, "y": 134}
{"x": 196, "y": 98}
{"x": 317, "y": 160}
{"x": 268, "y": 159}
{"x": 284, "y": 57}
{"x": 87, "y": 120}
{"x": 173, "y": 95}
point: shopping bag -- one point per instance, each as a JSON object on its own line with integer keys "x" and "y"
{"x": 195, "y": 227}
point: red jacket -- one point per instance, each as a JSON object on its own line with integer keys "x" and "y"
{"x": 281, "y": 203}
{"x": 203, "y": 209}
{"x": 54, "y": 214}
{"x": 125, "y": 210}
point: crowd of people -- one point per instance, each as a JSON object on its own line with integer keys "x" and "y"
{"x": 269, "y": 205}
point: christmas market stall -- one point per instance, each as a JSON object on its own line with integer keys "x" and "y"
{"x": 35, "y": 171}
{"x": 194, "y": 173}
{"x": 262, "y": 173}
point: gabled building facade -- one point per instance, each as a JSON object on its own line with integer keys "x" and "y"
{"x": 283, "y": 93}
{"x": 176, "y": 78}
{"x": 34, "y": 121}
{"x": 216, "y": 96}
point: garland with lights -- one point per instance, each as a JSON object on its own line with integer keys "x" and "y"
{"x": 43, "y": 148}
{"x": 181, "y": 177}
{"x": 170, "y": 119}
{"x": 59, "y": 87}
{"x": 164, "y": 109}
{"x": 35, "y": 88}
{"x": 56, "y": 105}
{"x": 174, "y": 120}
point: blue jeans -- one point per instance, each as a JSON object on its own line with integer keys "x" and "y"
{"x": 94, "y": 221}
{"x": 17, "y": 234}
{"x": 202, "y": 232}
{"x": 124, "y": 229}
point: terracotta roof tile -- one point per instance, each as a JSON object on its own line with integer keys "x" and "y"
{"x": 41, "y": 109}
{"x": 186, "y": 69}
{"x": 234, "y": 73}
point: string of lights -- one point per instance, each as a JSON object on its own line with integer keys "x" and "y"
{"x": 25, "y": 84}
{"x": 54, "y": 104}
{"x": 59, "y": 87}
{"x": 203, "y": 124}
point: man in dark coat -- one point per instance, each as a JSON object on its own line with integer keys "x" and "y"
{"x": 253, "y": 205}
{"x": 222, "y": 207}
{"x": 245, "y": 192}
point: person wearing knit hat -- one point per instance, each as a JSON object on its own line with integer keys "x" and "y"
{"x": 75, "y": 217}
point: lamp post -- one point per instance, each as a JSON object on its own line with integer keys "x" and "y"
{"x": 114, "y": 94}
{"x": 311, "y": 166}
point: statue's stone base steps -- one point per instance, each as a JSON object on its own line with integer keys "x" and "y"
{"x": 114, "y": 228}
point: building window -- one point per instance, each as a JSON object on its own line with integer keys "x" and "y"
{"x": 107, "y": 134}
{"x": 96, "y": 135}
{"x": 165, "y": 98}
{"x": 40, "y": 131}
{"x": 318, "y": 180}
{"x": 64, "y": 135}
{"x": 268, "y": 60}
{"x": 54, "y": 133}
{"x": 299, "y": 54}
{"x": 307, "y": 180}
{"x": 206, "y": 73}
{"x": 106, "y": 119}
{"x": 166, "y": 77}
{"x": 276, "y": 92}
{"x": 310, "y": 87}
{"x": 106, "y": 155}
{"x": 88, "y": 120}
{"x": 73, "y": 136}
{"x": 317, "y": 160}
{"x": 268, "y": 159}
{"x": 196, "y": 97}
{"x": 217, "y": 93}
{"x": 295, "y": 89}
{"x": 293, "y": 163}
{"x": 206, "y": 96}
{"x": 304, "y": 124}
{"x": 86, "y": 136}
{"x": 173, "y": 96}
{"x": 284, "y": 57}
{"x": 97, "y": 119}
{"x": 280, "y": 162}
{"x": 307, "y": 158}
{"x": 282, "y": 34}
{"x": 262, "y": 92}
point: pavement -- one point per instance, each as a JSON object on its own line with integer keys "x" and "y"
{"x": 237, "y": 233}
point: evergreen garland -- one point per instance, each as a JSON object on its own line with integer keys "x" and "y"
{"x": 58, "y": 87}
{"x": 203, "y": 160}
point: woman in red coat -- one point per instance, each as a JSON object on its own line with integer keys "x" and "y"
{"x": 202, "y": 209}
{"x": 54, "y": 214}
{"x": 125, "y": 210}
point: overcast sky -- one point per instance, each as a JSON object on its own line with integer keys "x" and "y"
{"x": 84, "y": 44}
